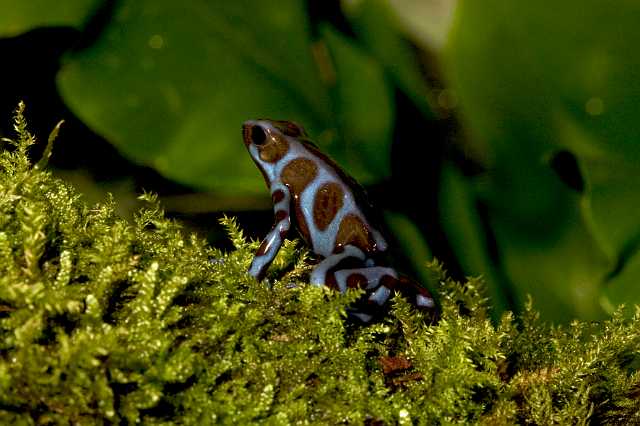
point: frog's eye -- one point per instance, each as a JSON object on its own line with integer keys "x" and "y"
{"x": 258, "y": 137}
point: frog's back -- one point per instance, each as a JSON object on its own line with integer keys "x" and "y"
{"x": 330, "y": 206}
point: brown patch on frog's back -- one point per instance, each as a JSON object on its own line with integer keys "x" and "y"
{"x": 327, "y": 201}
{"x": 276, "y": 148}
{"x": 355, "y": 232}
{"x": 297, "y": 175}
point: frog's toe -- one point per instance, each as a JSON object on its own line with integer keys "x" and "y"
{"x": 381, "y": 295}
{"x": 425, "y": 301}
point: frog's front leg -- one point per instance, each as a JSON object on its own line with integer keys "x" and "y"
{"x": 273, "y": 241}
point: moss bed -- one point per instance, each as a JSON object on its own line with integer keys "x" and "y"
{"x": 104, "y": 320}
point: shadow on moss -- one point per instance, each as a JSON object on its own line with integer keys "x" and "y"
{"x": 103, "y": 320}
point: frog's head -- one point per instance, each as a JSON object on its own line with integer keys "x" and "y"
{"x": 268, "y": 140}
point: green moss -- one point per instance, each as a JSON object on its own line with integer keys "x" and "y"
{"x": 103, "y": 320}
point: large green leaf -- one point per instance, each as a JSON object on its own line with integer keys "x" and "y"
{"x": 427, "y": 22}
{"x": 463, "y": 226}
{"x": 170, "y": 86}
{"x": 19, "y": 16}
{"x": 364, "y": 109}
{"x": 413, "y": 244}
{"x": 534, "y": 81}
{"x": 379, "y": 29}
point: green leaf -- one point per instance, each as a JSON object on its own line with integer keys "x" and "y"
{"x": 20, "y": 16}
{"x": 426, "y": 22}
{"x": 379, "y": 29}
{"x": 534, "y": 81}
{"x": 413, "y": 244}
{"x": 364, "y": 104}
{"x": 170, "y": 86}
{"x": 463, "y": 227}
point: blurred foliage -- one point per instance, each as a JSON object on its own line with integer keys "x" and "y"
{"x": 21, "y": 16}
{"x": 545, "y": 99}
{"x": 107, "y": 321}
{"x": 553, "y": 117}
{"x": 170, "y": 86}
{"x": 426, "y": 21}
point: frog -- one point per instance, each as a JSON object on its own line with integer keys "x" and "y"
{"x": 332, "y": 214}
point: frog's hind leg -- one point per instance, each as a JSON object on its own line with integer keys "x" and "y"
{"x": 373, "y": 279}
{"x": 380, "y": 284}
{"x": 368, "y": 277}
{"x": 416, "y": 295}
{"x": 319, "y": 276}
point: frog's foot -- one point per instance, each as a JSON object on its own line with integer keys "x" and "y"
{"x": 374, "y": 280}
{"x": 380, "y": 284}
{"x": 417, "y": 295}
{"x": 367, "y": 278}
{"x": 319, "y": 276}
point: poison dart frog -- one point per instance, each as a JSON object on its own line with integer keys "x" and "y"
{"x": 330, "y": 211}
